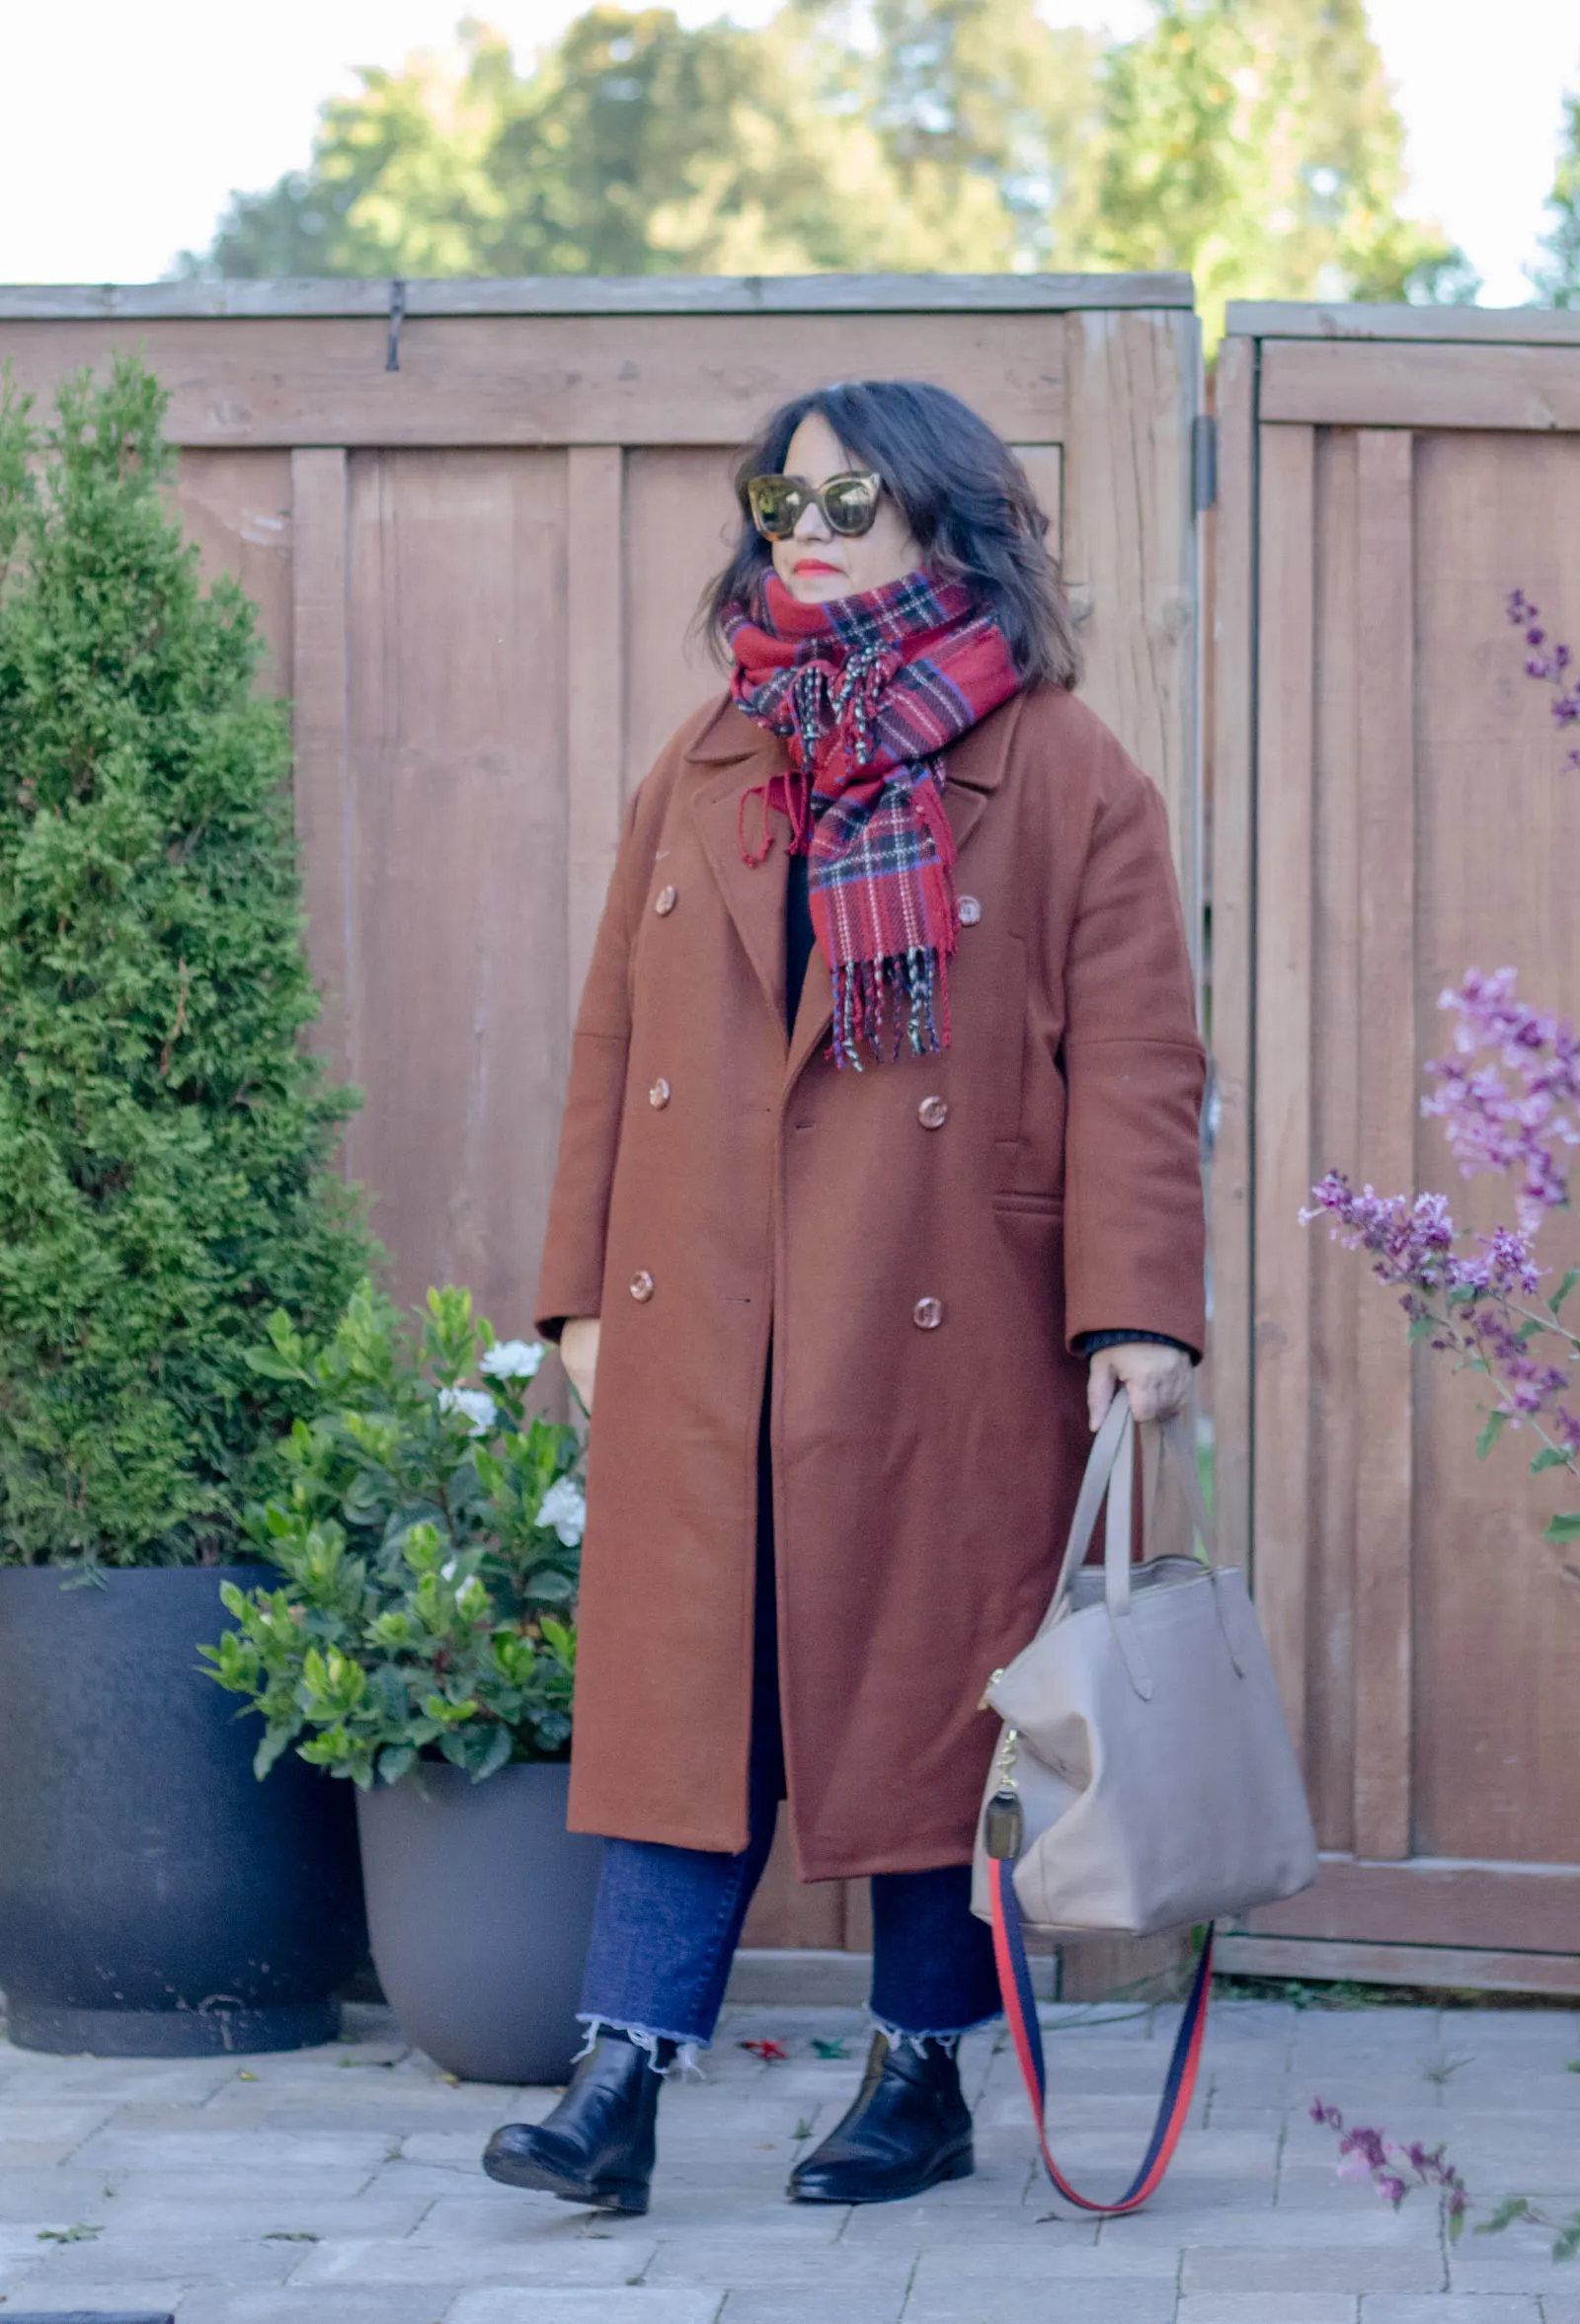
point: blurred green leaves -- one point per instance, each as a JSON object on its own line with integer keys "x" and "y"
{"x": 429, "y": 1555}
{"x": 1254, "y": 142}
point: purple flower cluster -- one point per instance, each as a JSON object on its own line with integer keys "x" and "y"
{"x": 1464, "y": 1305}
{"x": 1553, "y": 665}
{"x": 1373, "y": 2155}
{"x": 1491, "y": 1126}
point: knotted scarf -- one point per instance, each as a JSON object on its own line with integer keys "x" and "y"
{"x": 868, "y": 692}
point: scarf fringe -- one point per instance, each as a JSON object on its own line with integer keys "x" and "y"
{"x": 908, "y": 992}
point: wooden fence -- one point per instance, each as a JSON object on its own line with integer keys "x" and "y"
{"x": 1389, "y": 808}
{"x": 477, "y": 517}
{"x": 477, "y": 570}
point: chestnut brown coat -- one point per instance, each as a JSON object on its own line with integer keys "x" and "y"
{"x": 923, "y": 1241}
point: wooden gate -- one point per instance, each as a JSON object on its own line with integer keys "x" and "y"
{"x": 478, "y": 518}
{"x": 1389, "y": 809}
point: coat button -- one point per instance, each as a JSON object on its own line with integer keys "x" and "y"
{"x": 665, "y": 902}
{"x": 933, "y": 1112}
{"x": 927, "y": 1314}
{"x": 659, "y": 1094}
{"x": 642, "y": 1284}
{"x": 970, "y": 911}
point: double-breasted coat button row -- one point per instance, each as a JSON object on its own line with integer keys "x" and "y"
{"x": 927, "y": 1314}
{"x": 665, "y": 902}
{"x": 933, "y": 1112}
{"x": 641, "y": 1285}
{"x": 659, "y": 1094}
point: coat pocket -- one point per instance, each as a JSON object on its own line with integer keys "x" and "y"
{"x": 1008, "y": 1045}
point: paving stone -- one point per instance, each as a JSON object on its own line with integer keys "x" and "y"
{"x": 1078, "y": 2301}
{"x": 1561, "y": 2308}
{"x": 1045, "y": 2258}
{"x": 1169, "y": 2220}
{"x": 108, "y": 2295}
{"x": 1386, "y": 2309}
{"x": 157, "y": 2259}
{"x": 558, "y": 2261}
{"x": 363, "y": 2216}
{"x": 1531, "y": 2269}
{"x": 383, "y": 2303}
{"x": 864, "y": 2307}
{"x": 630, "y": 2304}
{"x": 50, "y": 2196}
{"x": 1260, "y": 2308}
{"x": 142, "y": 2141}
{"x": 1334, "y": 2266}
{"x": 746, "y": 2262}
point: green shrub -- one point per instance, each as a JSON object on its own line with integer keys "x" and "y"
{"x": 164, "y": 1138}
{"x": 429, "y": 1536}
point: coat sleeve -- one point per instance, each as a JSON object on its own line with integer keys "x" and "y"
{"x": 1135, "y": 1230}
{"x": 571, "y": 1275}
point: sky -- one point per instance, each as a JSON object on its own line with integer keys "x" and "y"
{"x": 124, "y": 128}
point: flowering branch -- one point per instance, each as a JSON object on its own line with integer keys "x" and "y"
{"x": 1553, "y": 665}
{"x": 1509, "y": 1101}
{"x": 1373, "y": 2155}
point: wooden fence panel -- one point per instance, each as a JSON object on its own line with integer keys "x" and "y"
{"x": 1406, "y": 815}
{"x": 478, "y": 572}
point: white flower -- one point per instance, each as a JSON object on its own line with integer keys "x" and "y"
{"x": 513, "y": 1360}
{"x": 476, "y": 1403}
{"x": 565, "y": 1510}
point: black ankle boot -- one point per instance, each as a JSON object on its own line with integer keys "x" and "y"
{"x": 908, "y": 2129}
{"x": 597, "y": 2147}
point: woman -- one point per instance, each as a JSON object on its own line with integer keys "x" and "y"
{"x": 879, "y": 1167}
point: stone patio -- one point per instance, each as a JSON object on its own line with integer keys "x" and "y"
{"x": 341, "y": 2186}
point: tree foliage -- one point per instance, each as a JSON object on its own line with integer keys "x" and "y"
{"x": 1258, "y": 147}
{"x": 1556, "y": 279}
{"x": 1253, "y": 141}
{"x": 164, "y": 1139}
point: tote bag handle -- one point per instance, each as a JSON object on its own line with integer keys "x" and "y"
{"x": 1108, "y": 1471}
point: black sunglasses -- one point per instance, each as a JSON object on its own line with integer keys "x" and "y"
{"x": 849, "y": 502}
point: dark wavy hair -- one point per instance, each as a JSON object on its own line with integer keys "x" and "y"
{"x": 965, "y": 496}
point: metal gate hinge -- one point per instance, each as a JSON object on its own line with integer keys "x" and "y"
{"x": 1203, "y": 463}
{"x": 397, "y": 316}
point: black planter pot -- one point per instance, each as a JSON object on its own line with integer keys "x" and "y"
{"x": 156, "y": 1901}
{"x": 479, "y": 1906}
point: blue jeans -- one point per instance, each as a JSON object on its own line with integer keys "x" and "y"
{"x": 668, "y": 1920}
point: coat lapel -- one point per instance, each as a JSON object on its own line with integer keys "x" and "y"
{"x": 753, "y": 896}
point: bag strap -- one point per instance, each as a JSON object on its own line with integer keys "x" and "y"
{"x": 1014, "y": 1981}
{"x": 1107, "y": 1472}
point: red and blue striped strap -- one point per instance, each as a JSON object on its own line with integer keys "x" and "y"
{"x": 1014, "y": 1979}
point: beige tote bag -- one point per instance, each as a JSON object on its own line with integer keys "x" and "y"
{"x": 1144, "y": 1777}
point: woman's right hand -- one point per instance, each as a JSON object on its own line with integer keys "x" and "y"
{"x": 579, "y": 1353}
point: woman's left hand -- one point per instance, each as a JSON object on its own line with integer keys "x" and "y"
{"x": 1158, "y": 1379}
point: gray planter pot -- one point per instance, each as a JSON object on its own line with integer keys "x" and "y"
{"x": 156, "y": 1901}
{"x": 479, "y": 1909}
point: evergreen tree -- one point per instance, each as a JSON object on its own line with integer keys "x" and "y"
{"x": 164, "y": 1138}
{"x": 1557, "y": 281}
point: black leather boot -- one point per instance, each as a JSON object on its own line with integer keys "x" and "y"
{"x": 597, "y": 2145}
{"x": 908, "y": 2129}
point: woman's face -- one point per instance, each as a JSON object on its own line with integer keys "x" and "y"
{"x": 818, "y": 564}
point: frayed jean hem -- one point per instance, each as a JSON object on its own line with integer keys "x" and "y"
{"x": 686, "y": 2046}
{"x": 948, "y": 2038}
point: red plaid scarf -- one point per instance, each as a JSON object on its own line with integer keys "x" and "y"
{"x": 868, "y": 693}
